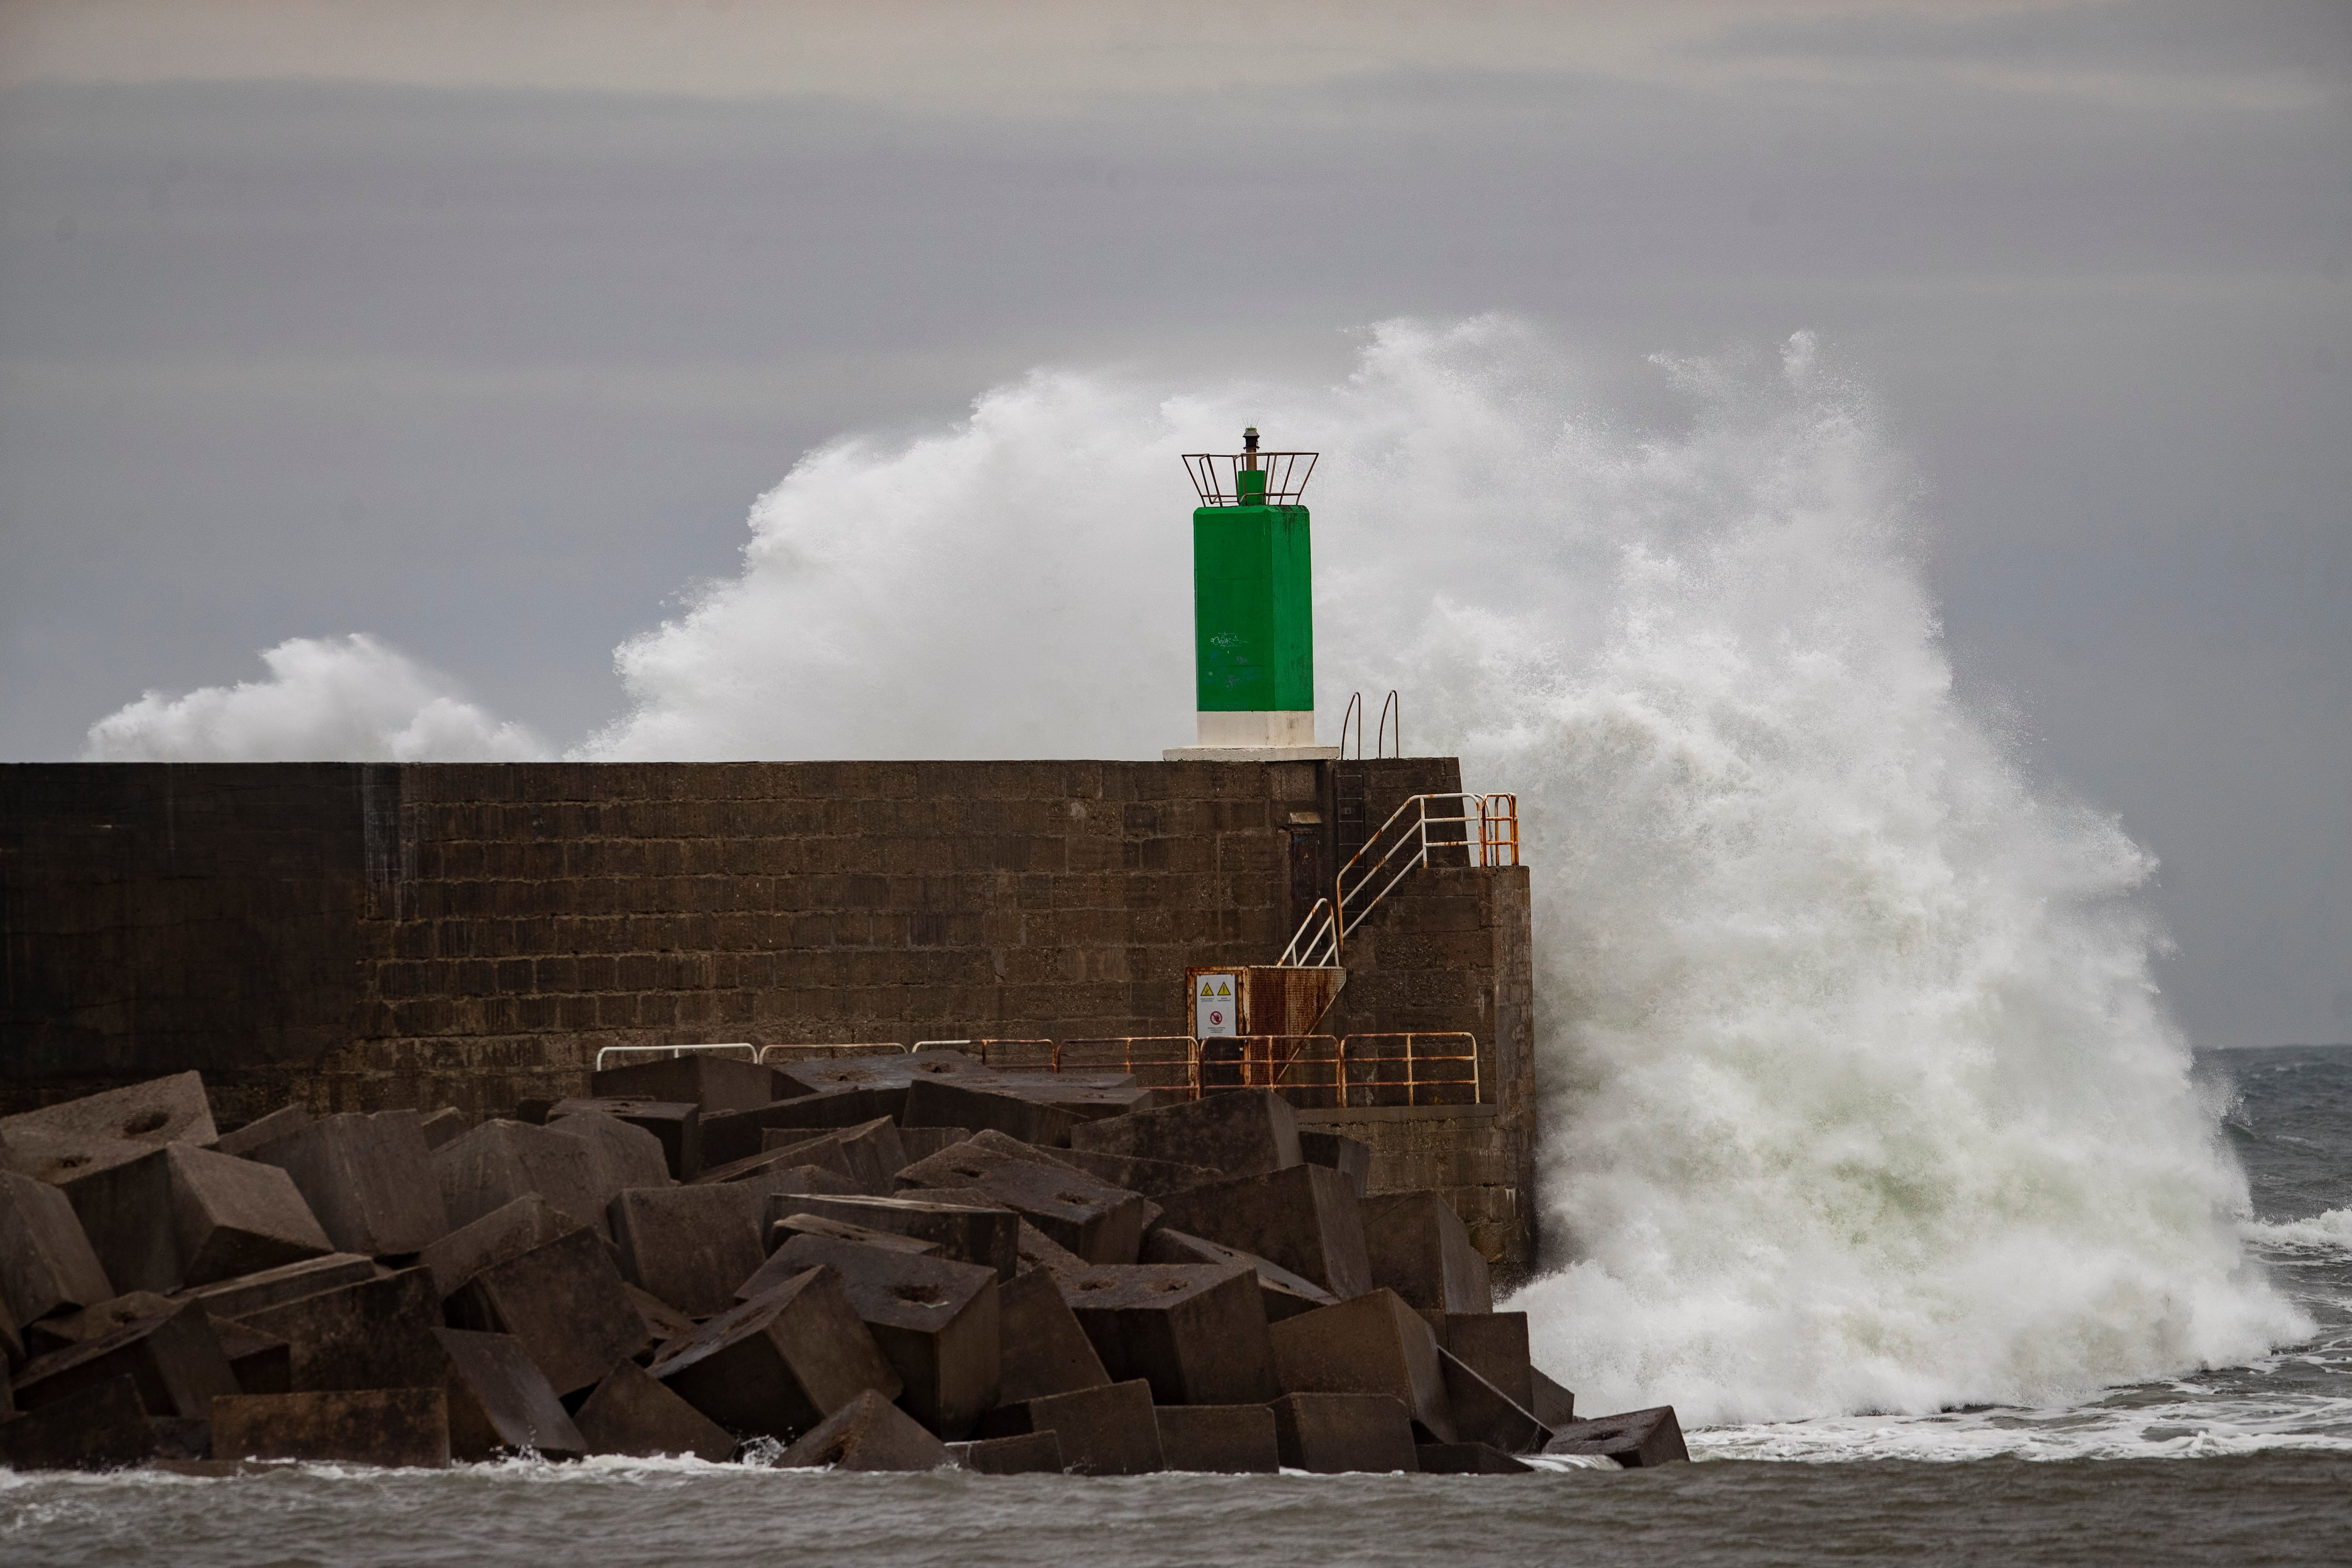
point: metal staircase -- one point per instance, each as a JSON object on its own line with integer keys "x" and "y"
{"x": 1424, "y": 825}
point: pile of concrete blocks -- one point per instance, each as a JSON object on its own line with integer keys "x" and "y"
{"x": 895, "y": 1262}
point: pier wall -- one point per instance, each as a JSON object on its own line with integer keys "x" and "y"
{"x": 358, "y": 936}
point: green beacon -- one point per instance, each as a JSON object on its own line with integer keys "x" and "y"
{"x": 1253, "y": 602}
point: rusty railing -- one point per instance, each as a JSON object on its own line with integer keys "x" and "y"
{"x": 1405, "y": 842}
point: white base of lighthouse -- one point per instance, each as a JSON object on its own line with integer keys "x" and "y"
{"x": 1281, "y": 735}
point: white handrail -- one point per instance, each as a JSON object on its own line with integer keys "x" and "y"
{"x": 677, "y": 1052}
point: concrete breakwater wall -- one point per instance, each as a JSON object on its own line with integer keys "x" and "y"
{"x": 359, "y": 936}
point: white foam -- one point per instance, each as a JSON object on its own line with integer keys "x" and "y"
{"x": 2329, "y": 1232}
{"x": 350, "y": 699}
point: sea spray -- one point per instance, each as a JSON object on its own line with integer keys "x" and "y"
{"x": 1858, "y": 1093}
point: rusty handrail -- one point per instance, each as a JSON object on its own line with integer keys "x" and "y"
{"x": 1386, "y": 859}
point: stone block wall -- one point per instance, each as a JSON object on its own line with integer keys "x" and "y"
{"x": 365, "y": 935}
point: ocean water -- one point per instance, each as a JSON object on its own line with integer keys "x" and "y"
{"x": 2250, "y": 1464}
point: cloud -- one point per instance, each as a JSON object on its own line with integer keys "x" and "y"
{"x": 350, "y": 699}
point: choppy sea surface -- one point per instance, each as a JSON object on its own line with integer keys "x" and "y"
{"x": 2252, "y": 1463}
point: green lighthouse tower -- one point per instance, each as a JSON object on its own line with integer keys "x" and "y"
{"x": 1253, "y": 605}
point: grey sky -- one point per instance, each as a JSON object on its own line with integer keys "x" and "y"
{"x": 477, "y": 327}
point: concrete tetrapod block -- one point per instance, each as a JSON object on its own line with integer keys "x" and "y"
{"x": 1032, "y": 1454}
{"x": 1484, "y": 1414}
{"x": 263, "y": 1131}
{"x": 63, "y": 1143}
{"x": 1090, "y": 1097}
{"x": 1352, "y": 1157}
{"x": 262, "y": 1363}
{"x": 11, "y": 1351}
{"x": 499, "y": 1162}
{"x": 446, "y": 1125}
{"x": 499, "y": 1401}
{"x": 1373, "y": 1344}
{"x": 1227, "y": 1439}
{"x": 714, "y": 1083}
{"x": 181, "y": 1215}
{"x": 101, "y": 1427}
{"x": 780, "y": 1363}
{"x": 372, "y": 1333}
{"x": 368, "y": 1179}
{"x": 870, "y": 1153}
{"x": 508, "y": 1231}
{"x": 936, "y": 1321}
{"x": 889, "y": 1073}
{"x": 922, "y": 1143}
{"x": 1467, "y": 1459}
{"x": 733, "y": 1135}
{"x": 1636, "y": 1440}
{"x": 1153, "y": 1178}
{"x": 1105, "y": 1431}
{"x": 784, "y": 1229}
{"x": 1039, "y": 1251}
{"x": 172, "y": 1359}
{"x": 68, "y": 1329}
{"x": 564, "y": 1300}
{"x": 988, "y": 1103}
{"x": 1248, "y": 1133}
{"x": 620, "y": 1157}
{"x": 248, "y": 1293}
{"x": 965, "y": 1232}
{"x": 1304, "y": 1217}
{"x": 406, "y": 1428}
{"x": 1100, "y": 1223}
{"x": 789, "y": 1148}
{"x": 1495, "y": 1346}
{"x": 1283, "y": 1293}
{"x": 1195, "y": 1333}
{"x": 663, "y": 1321}
{"x": 690, "y": 1246}
{"x": 676, "y": 1125}
{"x": 869, "y": 1433}
{"x": 1419, "y": 1247}
{"x": 633, "y": 1412}
{"x": 1554, "y": 1406}
{"x": 46, "y": 1264}
{"x": 1333, "y": 1434}
{"x": 1044, "y": 1348}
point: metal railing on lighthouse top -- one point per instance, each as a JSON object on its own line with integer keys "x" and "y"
{"x": 1425, "y": 823}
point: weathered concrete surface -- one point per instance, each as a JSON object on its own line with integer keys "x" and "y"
{"x": 780, "y": 1363}
{"x": 1373, "y": 1344}
{"x": 1195, "y": 1333}
{"x": 46, "y": 1264}
{"x": 368, "y": 1180}
{"x": 172, "y": 1359}
{"x": 936, "y": 1320}
{"x": 1106, "y": 1431}
{"x": 564, "y": 1300}
{"x": 868, "y": 1433}
{"x": 180, "y": 1215}
{"x": 404, "y": 1427}
{"x": 100, "y": 1427}
{"x": 501, "y": 1403}
{"x": 1228, "y": 1440}
{"x": 1333, "y": 1434}
{"x": 1635, "y": 1439}
{"x": 633, "y": 1412}
{"x": 1305, "y": 1218}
